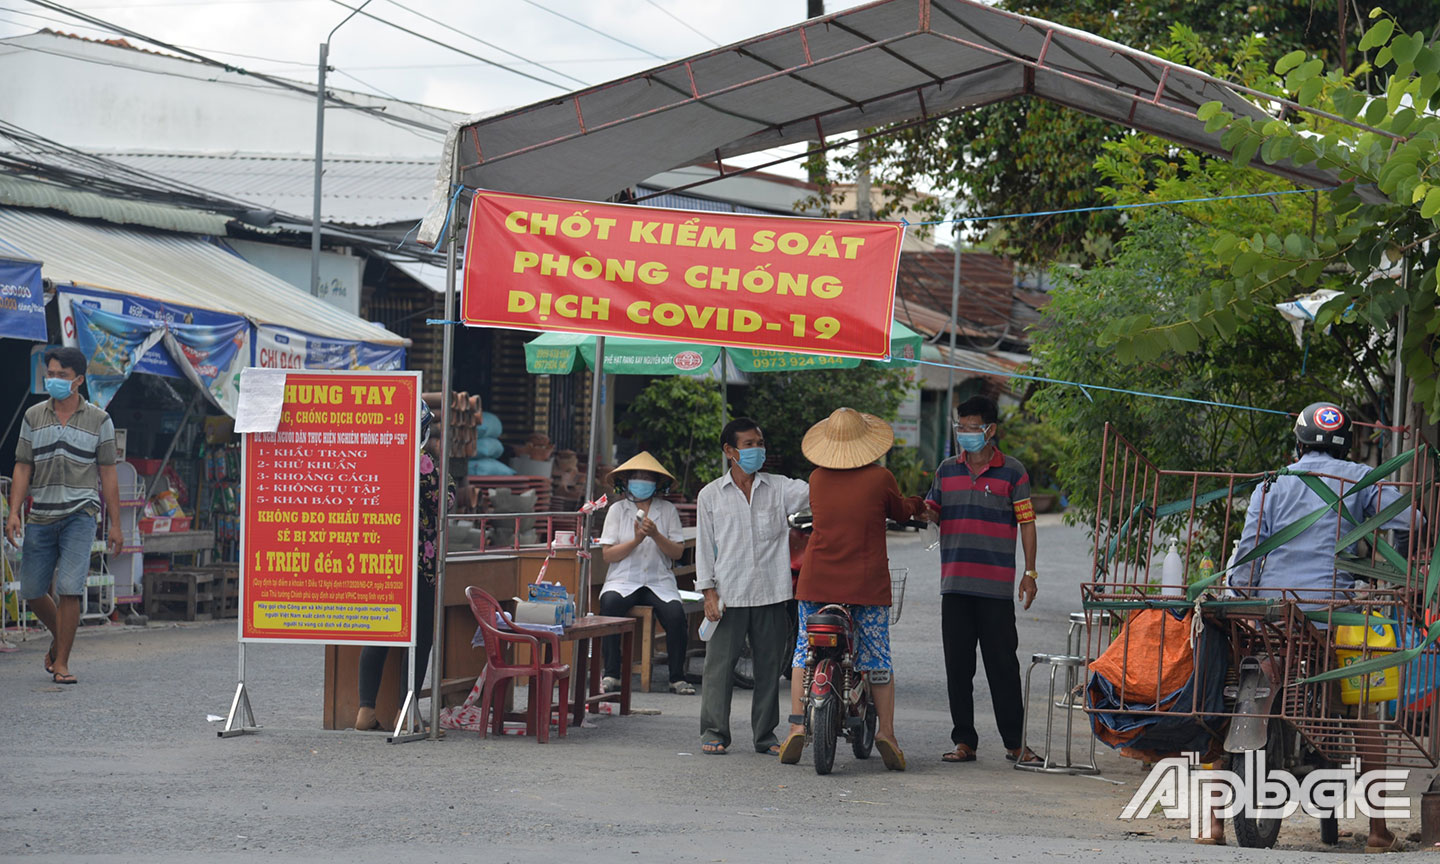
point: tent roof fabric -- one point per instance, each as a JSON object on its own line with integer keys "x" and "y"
{"x": 174, "y": 269}
{"x": 885, "y": 62}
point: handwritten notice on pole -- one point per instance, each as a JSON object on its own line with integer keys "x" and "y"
{"x": 329, "y": 510}
{"x": 771, "y": 282}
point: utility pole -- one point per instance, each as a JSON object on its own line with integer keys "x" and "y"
{"x": 320, "y": 151}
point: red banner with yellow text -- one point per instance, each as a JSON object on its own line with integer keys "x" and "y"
{"x": 328, "y": 515}
{"x": 783, "y": 283}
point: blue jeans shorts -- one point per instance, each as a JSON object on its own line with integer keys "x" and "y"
{"x": 872, "y": 636}
{"x": 58, "y": 551}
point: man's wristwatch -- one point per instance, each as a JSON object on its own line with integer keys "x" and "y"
{"x": 1033, "y": 574}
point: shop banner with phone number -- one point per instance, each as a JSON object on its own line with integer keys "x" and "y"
{"x": 328, "y": 518}
{"x": 773, "y": 282}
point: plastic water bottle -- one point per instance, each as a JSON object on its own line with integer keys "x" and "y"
{"x": 1172, "y": 572}
{"x": 1207, "y": 568}
{"x": 707, "y": 627}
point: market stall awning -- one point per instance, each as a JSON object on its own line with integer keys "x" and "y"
{"x": 886, "y": 62}
{"x": 556, "y": 354}
{"x": 176, "y": 269}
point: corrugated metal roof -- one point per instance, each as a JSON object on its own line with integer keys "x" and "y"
{"x": 176, "y": 269}
{"x": 19, "y": 192}
{"x": 360, "y": 192}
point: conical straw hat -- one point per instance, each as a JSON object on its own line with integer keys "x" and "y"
{"x": 642, "y": 461}
{"x": 847, "y": 439}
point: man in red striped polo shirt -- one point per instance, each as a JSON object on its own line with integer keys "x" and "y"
{"x": 981, "y": 498}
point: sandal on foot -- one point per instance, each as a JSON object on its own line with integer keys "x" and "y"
{"x": 609, "y": 685}
{"x": 50, "y": 660}
{"x": 890, "y": 754}
{"x": 792, "y": 748}
{"x": 682, "y": 688}
{"x": 961, "y": 753}
{"x": 1025, "y": 758}
{"x": 63, "y": 678}
{"x": 1377, "y": 850}
{"x": 713, "y": 748}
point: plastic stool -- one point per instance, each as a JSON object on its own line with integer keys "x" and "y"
{"x": 1072, "y": 664}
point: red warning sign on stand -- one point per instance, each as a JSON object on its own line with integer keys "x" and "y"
{"x": 329, "y": 512}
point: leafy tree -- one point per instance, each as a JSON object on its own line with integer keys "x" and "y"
{"x": 677, "y": 418}
{"x": 1378, "y": 250}
{"x": 787, "y": 404}
{"x": 1027, "y": 155}
{"x": 1160, "y": 265}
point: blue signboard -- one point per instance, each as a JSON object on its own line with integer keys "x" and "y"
{"x": 156, "y": 360}
{"x": 22, "y": 300}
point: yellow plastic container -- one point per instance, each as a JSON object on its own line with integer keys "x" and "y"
{"x": 1384, "y": 685}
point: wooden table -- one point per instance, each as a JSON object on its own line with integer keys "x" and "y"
{"x": 595, "y": 627}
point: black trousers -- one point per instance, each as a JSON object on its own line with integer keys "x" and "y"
{"x": 372, "y": 657}
{"x": 671, "y": 616}
{"x": 964, "y": 621}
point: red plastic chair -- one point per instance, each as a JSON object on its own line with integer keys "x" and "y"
{"x": 499, "y": 675}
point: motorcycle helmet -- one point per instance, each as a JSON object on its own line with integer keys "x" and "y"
{"x": 1325, "y": 426}
{"x": 427, "y": 419}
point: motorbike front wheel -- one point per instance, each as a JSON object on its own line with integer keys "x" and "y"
{"x": 864, "y": 741}
{"x": 825, "y": 728}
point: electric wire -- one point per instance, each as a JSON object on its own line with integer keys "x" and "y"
{"x": 579, "y": 23}
{"x": 434, "y": 41}
{"x": 681, "y": 22}
{"x": 282, "y": 83}
{"x": 457, "y": 30}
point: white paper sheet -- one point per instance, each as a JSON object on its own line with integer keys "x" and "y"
{"x": 262, "y": 394}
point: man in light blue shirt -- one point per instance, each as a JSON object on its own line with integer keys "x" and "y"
{"x": 1306, "y": 564}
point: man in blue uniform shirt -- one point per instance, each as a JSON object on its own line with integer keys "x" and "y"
{"x": 1306, "y": 564}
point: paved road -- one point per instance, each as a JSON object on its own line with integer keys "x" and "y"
{"x": 125, "y": 767}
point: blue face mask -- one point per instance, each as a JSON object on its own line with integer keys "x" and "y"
{"x": 971, "y": 442}
{"x": 58, "y": 388}
{"x": 640, "y": 490}
{"x": 751, "y": 458}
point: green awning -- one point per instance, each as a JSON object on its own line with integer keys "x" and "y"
{"x": 904, "y": 351}
{"x": 555, "y": 353}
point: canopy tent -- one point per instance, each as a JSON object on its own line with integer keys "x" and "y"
{"x": 889, "y": 62}
{"x": 892, "y": 61}
{"x": 556, "y": 353}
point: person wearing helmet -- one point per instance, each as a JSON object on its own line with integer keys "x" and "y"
{"x": 1306, "y": 564}
{"x": 372, "y": 657}
{"x": 1305, "y": 567}
{"x": 641, "y": 540}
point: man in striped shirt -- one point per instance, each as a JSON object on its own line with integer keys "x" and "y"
{"x": 981, "y": 498}
{"x": 64, "y": 460}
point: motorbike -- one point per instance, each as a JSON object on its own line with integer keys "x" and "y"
{"x": 838, "y": 701}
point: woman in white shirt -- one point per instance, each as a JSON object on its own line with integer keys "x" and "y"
{"x": 641, "y": 540}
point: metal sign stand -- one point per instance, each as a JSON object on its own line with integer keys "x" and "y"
{"x": 240, "y": 709}
{"x": 407, "y": 723}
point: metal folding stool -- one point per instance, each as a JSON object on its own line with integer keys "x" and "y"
{"x": 1073, "y": 662}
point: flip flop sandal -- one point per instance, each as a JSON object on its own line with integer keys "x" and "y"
{"x": 714, "y": 748}
{"x": 890, "y": 754}
{"x": 50, "y": 660}
{"x": 1379, "y": 850}
{"x": 792, "y": 748}
{"x": 1026, "y": 758}
{"x": 63, "y": 679}
{"x": 961, "y": 753}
